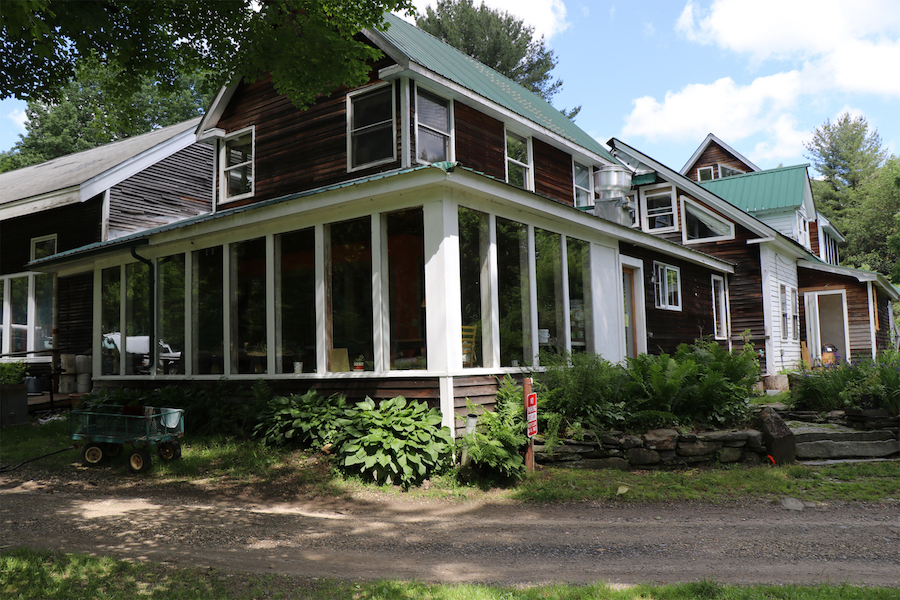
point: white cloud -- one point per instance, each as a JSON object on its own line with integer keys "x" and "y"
{"x": 19, "y": 117}
{"x": 548, "y": 17}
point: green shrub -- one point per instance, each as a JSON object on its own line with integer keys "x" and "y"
{"x": 493, "y": 449}
{"x": 12, "y": 373}
{"x": 865, "y": 384}
{"x": 309, "y": 421}
{"x": 393, "y": 442}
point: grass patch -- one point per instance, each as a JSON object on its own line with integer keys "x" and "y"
{"x": 55, "y": 575}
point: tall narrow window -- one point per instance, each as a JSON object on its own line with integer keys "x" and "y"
{"x": 474, "y": 276}
{"x": 667, "y": 286}
{"x": 248, "y": 307}
{"x": 237, "y": 166}
{"x": 207, "y": 318}
{"x": 785, "y": 327}
{"x": 518, "y": 161}
{"x": 350, "y": 291}
{"x": 550, "y": 300}
{"x": 406, "y": 284}
{"x": 137, "y": 319}
{"x": 513, "y": 290}
{"x": 433, "y": 130}
{"x": 371, "y": 137}
{"x": 795, "y": 314}
{"x": 110, "y": 320}
{"x": 720, "y": 308}
{"x": 584, "y": 185}
{"x": 580, "y": 321}
{"x": 295, "y": 298}
{"x": 171, "y": 311}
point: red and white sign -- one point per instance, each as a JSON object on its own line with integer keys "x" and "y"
{"x": 531, "y": 414}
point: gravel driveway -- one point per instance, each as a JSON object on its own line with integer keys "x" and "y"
{"x": 460, "y": 542}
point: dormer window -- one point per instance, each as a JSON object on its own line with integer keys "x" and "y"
{"x": 584, "y": 185}
{"x": 705, "y": 174}
{"x": 433, "y": 128}
{"x": 518, "y": 161}
{"x": 371, "y": 128}
{"x": 725, "y": 171}
{"x": 236, "y": 160}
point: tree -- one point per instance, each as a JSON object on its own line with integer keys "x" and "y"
{"x": 84, "y": 118}
{"x": 846, "y": 152}
{"x": 41, "y": 42}
{"x": 497, "y": 39}
{"x": 873, "y": 241}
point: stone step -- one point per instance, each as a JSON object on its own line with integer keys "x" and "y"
{"x": 828, "y": 449}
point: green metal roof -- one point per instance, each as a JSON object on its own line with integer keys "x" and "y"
{"x": 445, "y": 60}
{"x": 763, "y": 190}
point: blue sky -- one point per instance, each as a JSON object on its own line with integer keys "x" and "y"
{"x": 662, "y": 74}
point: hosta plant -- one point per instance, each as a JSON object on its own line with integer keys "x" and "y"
{"x": 394, "y": 442}
{"x": 308, "y": 421}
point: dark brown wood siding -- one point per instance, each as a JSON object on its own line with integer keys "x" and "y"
{"x": 715, "y": 155}
{"x": 297, "y": 150}
{"x": 75, "y": 317}
{"x": 814, "y": 237}
{"x": 666, "y": 329}
{"x": 75, "y": 225}
{"x": 175, "y": 188}
{"x": 553, "y": 172}
{"x": 480, "y": 391}
{"x": 479, "y": 141}
{"x": 857, "y": 306}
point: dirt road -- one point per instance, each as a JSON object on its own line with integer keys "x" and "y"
{"x": 462, "y": 542}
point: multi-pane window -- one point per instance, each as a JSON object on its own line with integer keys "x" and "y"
{"x": 371, "y": 137}
{"x": 584, "y": 185}
{"x": 518, "y": 161}
{"x": 237, "y": 166}
{"x": 433, "y": 127}
{"x": 667, "y": 286}
{"x": 659, "y": 209}
{"x": 720, "y": 308}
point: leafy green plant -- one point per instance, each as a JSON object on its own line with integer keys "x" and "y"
{"x": 12, "y": 373}
{"x": 393, "y": 442}
{"x": 309, "y": 421}
{"x": 493, "y": 449}
{"x": 866, "y": 383}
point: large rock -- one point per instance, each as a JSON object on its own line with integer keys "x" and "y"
{"x": 660, "y": 439}
{"x": 729, "y": 454}
{"x": 698, "y": 448}
{"x": 642, "y": 456}
{"x": 779, "y": 440}
{"x": 857, "y": 449}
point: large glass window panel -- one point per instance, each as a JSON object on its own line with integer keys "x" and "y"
{"x": 18, "y": 308}
{"x": 137, "y": 318}
{"x": 171, "y": 311}
{"x": 295, "y": 298}
{"x": 474, "y": 244}
{"x": 248, "y": 307}
{"x": 350, "y": 293}
{"x": 43, "y": 307}
{"x": 579, "y": 272}
{"x": 406, "y": 284}
{"x": 513, "y": 291}
{"x": 207, "y": 319}
{"x": 550, "y": 299}
{"x": 110, "y": 320}
{"x": 2, "y": 312}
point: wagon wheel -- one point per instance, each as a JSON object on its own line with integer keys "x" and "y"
{"x": 139, "y": 460}
{"x": 111, "y": 450}
{"x": 91, "y": 455}
{"x": 169, "y": 450}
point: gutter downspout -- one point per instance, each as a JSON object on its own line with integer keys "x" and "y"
{"x": 152, "y": 350}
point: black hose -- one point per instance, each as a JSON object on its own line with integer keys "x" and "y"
{"x": 6, "y": 468}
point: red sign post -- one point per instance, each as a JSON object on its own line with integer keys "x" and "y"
{"x": 531, "y": 419}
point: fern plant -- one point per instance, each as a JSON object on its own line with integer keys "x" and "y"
{"x": 393, "y": 442}
{"x": 493, "y": 449}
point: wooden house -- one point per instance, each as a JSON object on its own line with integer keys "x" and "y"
{"x": 785, "y": 291}
{"x": 84, "y": 198}
{"x": 420, "y": 235}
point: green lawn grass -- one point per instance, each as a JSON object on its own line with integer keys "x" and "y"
{"x": 60, "y": 576}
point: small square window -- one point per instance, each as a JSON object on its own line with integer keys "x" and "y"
{"x": 371, "y": 131}
{"x": 42, "y": 247}
{"x": 667, "y": 286}
{"x": 705, "y": 174}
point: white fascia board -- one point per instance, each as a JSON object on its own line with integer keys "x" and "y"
{"x": 492, "y": 109}
{"x": 27, "y": 206}
{"x": 218, "y": 106}
{"x": 858, "y": 274}
{"x": 712, "y": 138}
{"x": 122, "y": 171}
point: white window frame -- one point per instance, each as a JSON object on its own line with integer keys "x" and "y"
{"x": 661, "y": 286}
{"x": 529, "y": 167}
{"x": 694, "y": 205}
{"x": 721, "y": 315}
{"x": 30, "y": 318}
{"x": 451, "y": 138}
{"x": 712, "y": 173}
{"x": 722, "y": 175}
{"x": 362, "y": 92}
{"x": 795, "y": 314}
{"x": 653, "y": 191}
{"x": 44, "y": 238}
{"x": 575, "y": 187}
{"x": 224, "y": 168}
{"x": 785, "y": 318}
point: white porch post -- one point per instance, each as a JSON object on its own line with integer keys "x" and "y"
{"x": 443, "y": 312}
{"x": 607, "y": 303}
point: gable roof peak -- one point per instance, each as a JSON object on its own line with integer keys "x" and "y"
{"x": 712, "y": 139}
